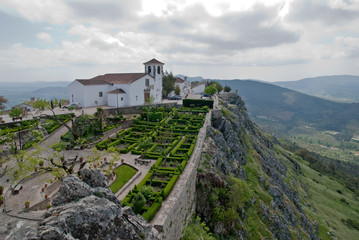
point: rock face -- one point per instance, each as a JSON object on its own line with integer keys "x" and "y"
{"x": 87, "y": 209}
{"x": 238, "y": 148}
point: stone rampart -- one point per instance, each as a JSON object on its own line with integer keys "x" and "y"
{"x": 179, "y": 206}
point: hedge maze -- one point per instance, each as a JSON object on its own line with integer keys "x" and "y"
{"x": 167, "y": 136}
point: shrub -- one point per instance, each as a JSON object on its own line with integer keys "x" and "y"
{"x": 150, "y": 213}
{"x": 147, "y": 191}
{"x": 138, "y": 202}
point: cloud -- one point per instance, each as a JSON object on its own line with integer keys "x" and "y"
{"x": 229, "y": 32}
{"x": 324, "y": 11}
{"x": 46, "y": 37}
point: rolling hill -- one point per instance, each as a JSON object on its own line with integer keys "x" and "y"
{"x": 16, "y": 92}
{"x": 339, "y": 88}
{"x": 291, "y": 108}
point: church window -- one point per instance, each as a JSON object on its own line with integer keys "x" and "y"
{"x": 147, "y": 82}
{"x": 121, "y": 98}
{"x": 100, "y": 94}
{"x": 149, "y": 69}
{"x": 158, "y": 69}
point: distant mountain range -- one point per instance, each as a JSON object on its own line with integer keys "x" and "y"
{"x": 17, "y": 92}
{"x": 290, "y": 108}
{"x": 339, "y": 88}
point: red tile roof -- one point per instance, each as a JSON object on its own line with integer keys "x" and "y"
{"x": 179, "y": 80}
{"x": 116, "y": 91}
{"x": 120, "y": 78}
{"x": 154, "y": 61}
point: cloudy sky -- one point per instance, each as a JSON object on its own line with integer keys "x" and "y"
{"x": 278, "y": 40}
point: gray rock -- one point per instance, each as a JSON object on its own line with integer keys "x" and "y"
{"x": 71, "y": 189}
{"x": 94, "y": 178}
{"x": 91, "y": 211}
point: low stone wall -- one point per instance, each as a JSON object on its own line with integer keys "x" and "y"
{"x": 179, "y": 206}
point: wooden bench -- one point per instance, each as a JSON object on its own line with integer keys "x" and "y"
{"x": 16, "y": 189}
{"x": 142, "y": 161}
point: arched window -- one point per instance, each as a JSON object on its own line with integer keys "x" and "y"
{"x": 158, "y": 69}
{"x": 149, "y": 69}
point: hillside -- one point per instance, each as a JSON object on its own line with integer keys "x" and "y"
{"x": 17, "y": 92}
{"x": 314, "y": 123}
{"x": 292, "y": 108}
{"x": 248, "y": 187}
{"x": 339, "y": 88}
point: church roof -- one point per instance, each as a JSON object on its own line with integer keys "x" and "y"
{"x": 112, "y": 78}
{"x": 179, "y": 80}
{"x": 116, "y": 91}
{"x": 154, "y": 61}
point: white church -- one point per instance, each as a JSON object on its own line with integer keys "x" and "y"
{"x": 120, "y": 89}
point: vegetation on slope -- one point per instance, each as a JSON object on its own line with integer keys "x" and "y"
{"x": 271, "y": 193}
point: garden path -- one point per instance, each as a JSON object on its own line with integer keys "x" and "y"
{"x": 136, "y": 179}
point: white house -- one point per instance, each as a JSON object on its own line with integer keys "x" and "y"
{"x": 199, "y": 88}
{"x": 120, "y": 89}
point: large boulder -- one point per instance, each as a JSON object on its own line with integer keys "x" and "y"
{"x": 89, "y": 210}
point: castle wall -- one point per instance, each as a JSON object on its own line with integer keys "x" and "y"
{"x": 179, "y": 206}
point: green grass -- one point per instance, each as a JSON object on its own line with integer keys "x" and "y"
{"x": 325, "y": 203}
{"x": 123, "y": 174}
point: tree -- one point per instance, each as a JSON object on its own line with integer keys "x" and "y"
{"x": 168, "y": 83}
{"x": 227, "y": 89}
{"x": 100, "y": 114}
{"x": 2, "y": 102}
{"x": 210, "y": 90}
{"x": 15, "y": 112}
{"x": 177, "y": 90}
{"x": 57, "y": 164}
{"x": 217, "y": 85}
{"x": 138, "y": 202}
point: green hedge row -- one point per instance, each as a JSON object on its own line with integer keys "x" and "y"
{"x": 170, "y": 185}
{"x": 197, "y": 103}
{"x": 151, "y": 212}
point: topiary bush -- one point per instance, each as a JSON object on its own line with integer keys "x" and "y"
{"x": 138, "y": 202}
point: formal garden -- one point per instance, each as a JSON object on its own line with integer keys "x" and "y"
{"x": 166, "y": 136}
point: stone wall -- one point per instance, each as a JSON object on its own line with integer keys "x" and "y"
{"x": 179, "y": 206}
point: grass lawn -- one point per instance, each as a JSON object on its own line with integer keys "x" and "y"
{"x": 123, "y": 174}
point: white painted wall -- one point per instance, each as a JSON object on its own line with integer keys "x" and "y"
{"x": 120, "y": 98}
{"x": 76, "y": 93}
{"x": 181, "y": 86}
{"x": 198, "y": 89}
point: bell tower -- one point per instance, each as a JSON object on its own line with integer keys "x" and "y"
{"x": 155, "y": 69}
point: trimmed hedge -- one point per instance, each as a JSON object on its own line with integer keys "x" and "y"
{"x": 170, "y": 185}
{"x": 151, "y": 212}
{"x": 197, "y": 103}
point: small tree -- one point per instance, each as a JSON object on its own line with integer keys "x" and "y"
{"x": 227, "y": 89}
{"x": 15, "y": 112}
{"x": 177, "y": 90}
{"x": 138, "y": 202}
{"x": 210, "y": 90}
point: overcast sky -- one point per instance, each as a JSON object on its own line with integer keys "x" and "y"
{"x": 62, "y": 40}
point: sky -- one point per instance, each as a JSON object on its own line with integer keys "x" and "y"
{"x": 270, "y": 40}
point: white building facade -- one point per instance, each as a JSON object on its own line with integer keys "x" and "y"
{"x": 120, "y": 89}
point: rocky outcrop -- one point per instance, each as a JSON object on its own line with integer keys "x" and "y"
{"x": 87, "y": 209}
{"x": 231, "y": 142}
